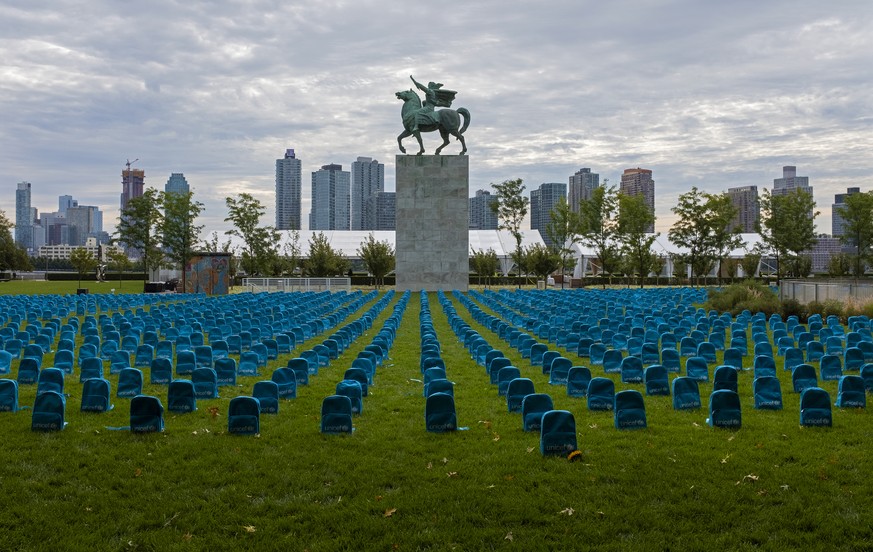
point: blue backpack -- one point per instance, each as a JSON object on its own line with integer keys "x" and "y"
{"x": 557, "y": 433}
{"x": 181, "y": 397}
{"x": 129, "y": 383}
{"x": 146, "y": 414}
{"x": 353, "y": 390}
{"x": 439, "y": 413}
{"x": 48, "y": 412}
{"x": 244, "y": 416}
{"x": 336, "y": 414}
{"x": 267, "y": 393}
{"x": 8, "y": 395}
{"x": 95, "y": 395}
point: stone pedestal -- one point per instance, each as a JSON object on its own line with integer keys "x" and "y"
{"x": 432, "y": 240}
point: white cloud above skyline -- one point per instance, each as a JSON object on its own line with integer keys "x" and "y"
{"x": 704, "y": 94}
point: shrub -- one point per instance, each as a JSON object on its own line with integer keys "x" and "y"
{"x": 793, "y": 307}
{"x": 832, "y": 307}
{"x": 749, "y": 294}
{"x": 814, "y": 307}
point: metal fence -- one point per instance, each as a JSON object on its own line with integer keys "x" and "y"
{"x": 256, "y": 285}
{"x": 806, "y": 291}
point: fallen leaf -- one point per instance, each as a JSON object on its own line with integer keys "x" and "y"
{"x": 452, "y": 474}
{"x": 491, "y": 486}
{"x": 567, "y": 511}
{"x": 429, "y": 465}
{"x": 214, "y": 411}
{"x": 695, "y": 424}
{"x": 378, "y": 497}
{"x": 592, "y": 426}
{"x": 725, "y": 459}
{"x": 249, "y": 528}
{"x": 486, "y": 423}
{"x": 762, "y": 492}
{"x": 496, "y": 437}
{"x": 732, "y": 437}
{"x": 445, "y": 460}
{"x": 600, "y": 514}
{"x": 138, "y": 472}
{"x": 508, "y": 537}
{"x": 389, "y": 512}
{"x": 784, "y": 487}
{"x": 187, "y": 537}
{"x": 530, "y": 449}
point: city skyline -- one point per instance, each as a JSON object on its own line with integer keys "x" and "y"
{"x": 708, "y": 95}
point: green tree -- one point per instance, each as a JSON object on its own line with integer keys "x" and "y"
{"x": 485, "y": 263}
{"x": 120, "y": 261}
{"x": 83, "y": 261}
{"x": 259, "y": 251}
{"x": 634, "y": 218}
{"x": 839, "y": 265}
{"x": 787, "y": 225}
{"x": 139, "y": 229}
{"x": 563, "y": 231}
{"x": 750, "y": 264}
{"x": 511, "y": 208}
{"x": 12, "y": 256}
{"x": 703, "y": 228}
{"x": 324, "y": 260}
{"x": 378, "y": 257}
{"x": 598, "y": 227}
{"x": 290, "y": 258}
{"x": 179, "y": 233}
{"x": 857, "y": 213}
{"x": 542, "y": 260}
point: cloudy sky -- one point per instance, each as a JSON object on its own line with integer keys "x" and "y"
{"x": 706, "y": 94}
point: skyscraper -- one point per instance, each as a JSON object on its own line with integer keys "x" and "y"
{"x": 65, "y": 202}
{"x": 745, "y": 199}
{"x": 790, "y": 182}
{"x": 289, "y": 184}
{"x": 380, "y": 211}
{"x": 83, "y": 222}
{"x": 481, "y": 215}
{"x": 177, "y": 184}
{"x": 542, "y": 202}
{"x": 132, "y": 182}
{"x": 330, "y": 198}
{"x": 838, "y": 223}
{"x": 368, "y": 177}
{"x": 581, "y": 185}
{"x": 639, "y": 182}
{"x": 23, "y": 216}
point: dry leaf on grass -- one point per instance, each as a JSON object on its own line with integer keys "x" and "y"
{"x": 389, "y": 512}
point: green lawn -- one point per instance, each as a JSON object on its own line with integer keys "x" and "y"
{"x": 678, "y": 485}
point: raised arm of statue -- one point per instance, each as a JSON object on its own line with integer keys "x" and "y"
{"x": 418, "y": 85}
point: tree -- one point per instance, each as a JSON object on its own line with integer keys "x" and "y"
{"x": 563, "y": 231}
{"x": 787, "y": 225}
{"x": 750, "y": 264}
{"x": 378, "y": 257}
{"x": 839, "y": 265}
{"x": 259, "y": 250}
{"x": 12, "y": 255}
{"x": 178, "y": 232}
{"x": 323, "y": 259}
{"x": 634, "y": 218}
{"x": 485, "y": 263}
{"x": 139, "y": 226}
{"x": 857, "y": 214}
{"x": 598, "y": 226}
{"x": 511, "y": 208}
{"x": 703, "y": 228}
{"x": 121, "y": 261}
{"x": 83, "y": 261}
{"x": 542, "y": 260}
{"x": 290, "y": 260}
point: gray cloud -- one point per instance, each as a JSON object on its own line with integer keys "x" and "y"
{"x": 712, "y": 95}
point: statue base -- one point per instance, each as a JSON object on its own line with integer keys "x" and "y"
{"x": 432, "y": 236}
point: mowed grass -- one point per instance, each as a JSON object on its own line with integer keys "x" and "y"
{"x": 43, "y": 287}
{"x": 678, "y": 485}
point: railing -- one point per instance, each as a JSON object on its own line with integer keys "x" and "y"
{"x": 258, "y": 285}
{"x": 806, "y": 291}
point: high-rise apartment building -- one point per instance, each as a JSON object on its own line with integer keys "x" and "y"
{"x": 65, "y": 202}
{"x": 639, "y": 182}
{"x": 745, "y": 200}
{"x": 23, "y": 216}
{"x": 482, "y": 215}
{"x": 83, "y": 222}
{"x": 542, "y": 202}
{"x": 177, "y": 184}
{"x": 368, "y": 178}
{"x": 380, "y": 211}
{"x": 330, "y": 199}
{"x": 289, "y": 185}
{"x": 790, "y": 182}
{"x": 838, "y": 223}
{"x": 581, "y": 186}
{"x": 132, "y": 183}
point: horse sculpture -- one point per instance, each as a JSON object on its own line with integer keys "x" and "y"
{"x": 447, "y": 121}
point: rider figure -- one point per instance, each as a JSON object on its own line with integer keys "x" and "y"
{"x": 424, "y": 116}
